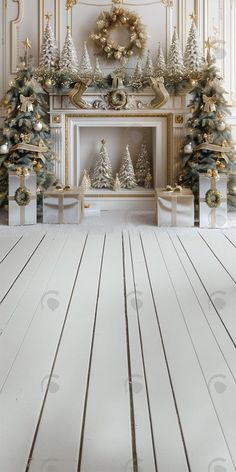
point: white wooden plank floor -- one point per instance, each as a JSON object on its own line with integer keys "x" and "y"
{"x": 117, "y": 350}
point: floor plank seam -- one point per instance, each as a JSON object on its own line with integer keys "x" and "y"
{"x": 143, "y": 359}
{"x": 166, "y": 359}
{"x": 53, "y": 364}
{"x": 196, "y": 354}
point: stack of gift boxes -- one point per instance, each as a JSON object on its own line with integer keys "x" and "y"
{"x": 61, "y": 204}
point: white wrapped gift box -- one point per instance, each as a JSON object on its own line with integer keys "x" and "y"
{"x": 175, "y": 208}
{"x": 22, "y": 199}
{"x": 215, "y": 217}
{"x": 63, "y": 206}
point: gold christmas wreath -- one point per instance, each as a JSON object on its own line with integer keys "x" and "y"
{"x": 117, "y": 17}
{"x": 117, "y": 99}
{"x": 213, "y": 198}
{"x": 22, "y": 196}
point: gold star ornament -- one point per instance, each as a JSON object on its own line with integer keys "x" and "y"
{"x": 209, "y": 44}
{"x": 193, "y": 17}
{"x": 26, "y": 43}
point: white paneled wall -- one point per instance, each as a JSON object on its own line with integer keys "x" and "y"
{"x": 21, "y": 18}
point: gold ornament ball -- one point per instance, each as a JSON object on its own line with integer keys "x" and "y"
{"x": 48, "y": 83}
{"x": 38, "y": 167}
{"x": 222, "y": 166}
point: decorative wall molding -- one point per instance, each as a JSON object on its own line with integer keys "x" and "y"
{"x": 15, "y": 36}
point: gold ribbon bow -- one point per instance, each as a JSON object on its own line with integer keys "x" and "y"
{"x": 26, "y": 103}
{"x": 176, "y": 188}
{"x": 22, "y": 171}
{"x": 209, "y": 102}
{"x": 213, "y": 173}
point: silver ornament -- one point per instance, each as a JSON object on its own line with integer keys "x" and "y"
{"x": 38, "y": 126}
{"x": 188, "y": 149}
{"x": 221, "y": 126}
{"x": 4, "y": 149}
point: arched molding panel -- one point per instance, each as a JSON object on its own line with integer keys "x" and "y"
{"x": 15, "y": 36}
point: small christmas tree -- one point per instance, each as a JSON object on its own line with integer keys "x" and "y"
{"x": 26, "y": 136}
{"x": 148, "y": 69}
{"x": 126, "y": 173}
{"x": 97, "y": 72}
{"x": 69, "y": 59}
{"x": 117, "y": 185}
{"x": 102, "y": 173}
{"x": 136, "y": 80}
{"x": 175, "y": 63}
{"x": 86, "y": 181}
{"x": 209, "y": 143}
{"x": 49, "y": 53}
{"x": 85, "y": 68}
{"x": 192, "y": 56}
{"x": 143, "y": 166}
{"x": 160, "y": 65}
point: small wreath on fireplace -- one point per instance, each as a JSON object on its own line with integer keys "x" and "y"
{"x": 119, "y": 17}
{"x": 117, "y": 99}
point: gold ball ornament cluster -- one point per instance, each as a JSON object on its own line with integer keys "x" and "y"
{"x": 119, "y": 17}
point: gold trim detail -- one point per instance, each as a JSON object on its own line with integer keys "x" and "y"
{"x": 167, "y": 116}
{"x": 14, "y": 39}
{"x": 179, "y": 119}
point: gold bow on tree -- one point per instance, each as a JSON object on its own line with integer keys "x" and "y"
{"x": 209, "y": 102}
{"x": 26, "y": 104}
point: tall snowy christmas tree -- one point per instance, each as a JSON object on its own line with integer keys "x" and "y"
{"x": 25, "y": 142}
{"x": 209, "y": 143}
{"x": 126, "y": 174}
{"x": 160, "y": 64}
{"x": 193, "y": 56}
{"x": 102, "y": 174}
{"x": 148, "y": 70}
{"x": 69, "y": 59}
{"x": 142, "y": 166}
{"x": 175, "y": 63}
{"x": 85, "y": 68}
{"x": 136, "y": 80}
{"x": 49, "y": 55}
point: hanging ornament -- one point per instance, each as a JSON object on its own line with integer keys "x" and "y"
{"x": 48, "y": 83}
{"x": 221, "y": 126}
{"x": 4, "y": 148}
{"x": 209, "y": 104}
{"x": 38, "y": 126}
{"x": 117, "y": 184}
{"x": 26, "y": 104}
{"x": 188, "y": 149}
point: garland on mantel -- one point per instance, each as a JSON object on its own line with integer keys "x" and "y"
{"x": 71, "y": 3}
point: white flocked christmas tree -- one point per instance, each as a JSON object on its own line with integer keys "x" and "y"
{"x": 49, "y": 53}
{"x": 85, "y": 68}
{"x": 69, "y": 58}
{"x": 126, "y": 174}
{"x": 193, "y": 56}
{"x": 102, "y": 174}
{"x": 136, "y": 80}
{"x": 148, "y": 70}
{"x": 160, "y": 65}
{"x": 97, "y": 71}
{"x": 143, "y": 166}
{"x": 175, "y": 62}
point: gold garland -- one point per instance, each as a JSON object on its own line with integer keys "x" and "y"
{"x": 118, "y": 17}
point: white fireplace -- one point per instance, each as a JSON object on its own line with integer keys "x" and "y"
{"x": 77, "y": 136}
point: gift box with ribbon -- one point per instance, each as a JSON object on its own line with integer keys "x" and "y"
{"x": 213, "y": 200}
{"x": 22, "y": 206}
{"x": 175, "y": 206}
{"x": 63, "y": 205}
